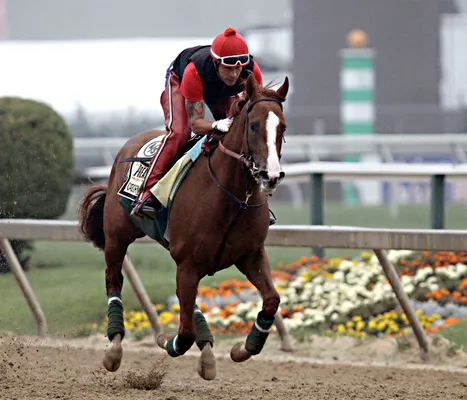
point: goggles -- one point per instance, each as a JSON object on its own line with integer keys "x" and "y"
{"x": 232, "y": 61}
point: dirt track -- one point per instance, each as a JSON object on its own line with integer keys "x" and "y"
{"x": 52, "y": 370}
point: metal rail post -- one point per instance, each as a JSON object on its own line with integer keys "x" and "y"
{"x": 404, "y": 301}
{"x": 142, "y": 295}
{"x": 317, "y": 205}
{"x": 437, "y": 201}
{"x": 26, "y": 288}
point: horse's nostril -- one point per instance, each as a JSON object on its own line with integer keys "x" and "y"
{"x": 282, "y": 175}
{"x": 264, "y": 174}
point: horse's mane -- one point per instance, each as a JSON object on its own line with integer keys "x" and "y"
{"x": 259, "y": 91}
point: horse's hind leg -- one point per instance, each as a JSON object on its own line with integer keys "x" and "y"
{"x": 114, "y": 255}
{"x": 257, "y": 270}
{"x": 118, "y": 237}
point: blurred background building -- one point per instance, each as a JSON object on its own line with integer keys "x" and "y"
{"x": 420, "y": 84}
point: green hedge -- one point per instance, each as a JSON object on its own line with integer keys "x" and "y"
{"x": 36, "y": 160}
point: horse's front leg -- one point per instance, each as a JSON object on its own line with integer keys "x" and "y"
{"x": 205, "y": 342}
{"x": 257, "y": 270}
{"x": 192, "y": 326}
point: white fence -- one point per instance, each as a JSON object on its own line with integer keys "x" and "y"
{"x": 317, "y": 147}
{"x": 339, "y": 171}
{"x": 288, "y": 236}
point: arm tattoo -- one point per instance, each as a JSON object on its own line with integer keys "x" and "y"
{"x": 195, "y": 109}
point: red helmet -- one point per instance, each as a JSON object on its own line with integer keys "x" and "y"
{"x": 230, "y": 49}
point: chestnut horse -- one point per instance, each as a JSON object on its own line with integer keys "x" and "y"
{"x": 218, "y": 218}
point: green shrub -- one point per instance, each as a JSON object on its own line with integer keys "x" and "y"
{"x": 36, "y": 162}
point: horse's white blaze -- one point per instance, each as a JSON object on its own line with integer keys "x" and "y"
{"x": 273, "y": 166}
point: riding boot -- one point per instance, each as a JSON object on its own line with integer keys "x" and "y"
{"x": 272, "y": 218}
{"x": 146, "y": 205}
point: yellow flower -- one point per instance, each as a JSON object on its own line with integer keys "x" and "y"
{"x": 360, "y": 326}
{"x": 340, "y": 328}
{"x": 381, "y": 326}
{"x": 306, "y": 275}
{"x": 278, "y": 288}
{"x": 372, "y": 325}
{"x": 165, "y": 317}
{"x": 175, "y": 308}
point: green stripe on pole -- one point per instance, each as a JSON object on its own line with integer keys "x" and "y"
{"x": 356, "y": 95}
{"x": 362, "y": 128}
{"x": 362, "y": 62}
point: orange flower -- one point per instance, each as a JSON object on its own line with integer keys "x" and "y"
{"x": 451, "y": 321}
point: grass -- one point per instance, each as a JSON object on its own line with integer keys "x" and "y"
{"x": 68, "y": 278}
{"x": 456, "y": 334}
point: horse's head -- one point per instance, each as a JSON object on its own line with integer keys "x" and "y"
{"x": 264, "y": 125}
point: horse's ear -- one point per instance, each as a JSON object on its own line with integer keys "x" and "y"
{"x": 250, "y": 86}
{"x": 284, "y": 89}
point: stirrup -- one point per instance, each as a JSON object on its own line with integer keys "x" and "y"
{"x": 142, "y": 209}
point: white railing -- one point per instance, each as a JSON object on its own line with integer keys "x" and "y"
{"x": 313, "y": 147}
{"x": 289, "y": 236}
{"x": 338, "y": 171}
{"x": 365, "y": 170}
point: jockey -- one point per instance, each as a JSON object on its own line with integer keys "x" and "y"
{"x": 211, "y": 75}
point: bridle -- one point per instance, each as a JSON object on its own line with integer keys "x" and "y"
{"x": 246, "y": 160}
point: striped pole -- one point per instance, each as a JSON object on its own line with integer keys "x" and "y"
{"x": 357, "y": 96}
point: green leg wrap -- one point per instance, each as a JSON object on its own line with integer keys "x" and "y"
{"x": 171, "y": 347}
{"x": 115, "y": 314}
{"x": 203, "y": 333}
{"x": 258, "y": 334}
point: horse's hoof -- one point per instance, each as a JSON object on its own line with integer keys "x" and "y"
{"x": 207, "y": 364}
{"x": 162, "y": 340}
{"x": 239, "y": 353}
{"x": 113, "y": 358}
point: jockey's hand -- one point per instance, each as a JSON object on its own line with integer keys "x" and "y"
{"x": 222, "y": 125}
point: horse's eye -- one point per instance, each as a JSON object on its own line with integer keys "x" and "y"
{"x": 254, "y": 126}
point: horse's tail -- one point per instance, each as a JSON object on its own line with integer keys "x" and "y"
{"x": 91, "y": 215}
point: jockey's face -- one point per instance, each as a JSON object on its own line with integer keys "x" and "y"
{"x": 229, "y": 75}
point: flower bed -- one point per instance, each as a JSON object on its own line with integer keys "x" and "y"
{"x": 338, "y": 296}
